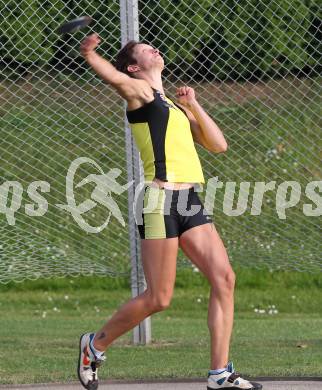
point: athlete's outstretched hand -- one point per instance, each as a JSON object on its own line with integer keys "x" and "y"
{"x": 89, "y": 44}
{"x": 186, "y": 96}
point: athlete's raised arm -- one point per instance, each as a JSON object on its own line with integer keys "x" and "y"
{"x": 136, "y": 92}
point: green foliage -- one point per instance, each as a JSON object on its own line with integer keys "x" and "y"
{"x": 26, "y": 30}
{"x": 232, "y": 39}
{"x": 211, "y": 38}
{"x": 29, "y": 38}
{"x": 106, "y": 22}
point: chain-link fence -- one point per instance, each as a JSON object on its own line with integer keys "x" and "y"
{"x": 255, "y": 68}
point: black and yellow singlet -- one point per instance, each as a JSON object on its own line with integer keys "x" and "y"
{"x": 163, "y": 136}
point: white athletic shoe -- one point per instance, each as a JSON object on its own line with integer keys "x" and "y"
{"x": 88, "y": 363}
{"x": 229, "y": 379}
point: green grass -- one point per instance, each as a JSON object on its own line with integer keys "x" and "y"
{"x": 43, "y": 348}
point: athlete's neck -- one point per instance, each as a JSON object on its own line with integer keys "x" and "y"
{"x": 154, "y": 79}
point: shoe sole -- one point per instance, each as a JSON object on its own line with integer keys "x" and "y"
{"x": 92, "y": 386}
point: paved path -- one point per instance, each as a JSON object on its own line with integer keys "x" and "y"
{"x": 275, "y": 385}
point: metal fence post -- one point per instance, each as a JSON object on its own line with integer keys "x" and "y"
{"x": 129, "y": 31}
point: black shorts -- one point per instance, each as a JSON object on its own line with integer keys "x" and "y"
{"x": 166, "y": 213}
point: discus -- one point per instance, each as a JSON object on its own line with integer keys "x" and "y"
{"x": 74, "y": 25}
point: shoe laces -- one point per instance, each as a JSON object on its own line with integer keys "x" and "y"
{"x": 99, "y": 361}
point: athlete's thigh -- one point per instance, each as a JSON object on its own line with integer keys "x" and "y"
{"x": 159, "y": 260}
{"x": 204, "y": 247}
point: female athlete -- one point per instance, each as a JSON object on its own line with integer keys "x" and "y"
{"x": 165, "y": 133}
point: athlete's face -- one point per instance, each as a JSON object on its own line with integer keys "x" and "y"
{"x": 147, "y": 58}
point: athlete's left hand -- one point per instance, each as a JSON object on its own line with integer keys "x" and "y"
{"x": 186, "y": 96}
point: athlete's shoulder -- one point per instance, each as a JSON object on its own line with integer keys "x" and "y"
{"x": 142, "y": 94}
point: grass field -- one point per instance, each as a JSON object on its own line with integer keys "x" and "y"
{"x": 41, "y": 322}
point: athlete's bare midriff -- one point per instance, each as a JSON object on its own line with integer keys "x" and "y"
{"x": 173, "y": 186}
